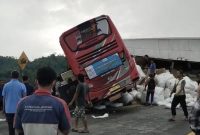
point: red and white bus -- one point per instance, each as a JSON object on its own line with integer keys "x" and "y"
{"x": 95, "y": 49}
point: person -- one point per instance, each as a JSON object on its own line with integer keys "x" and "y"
{"x": 41, "y": 113}
{"x": 12, "y": 92}
{"x": 152, "y": 68}
{"x": 198, "y": 89}
{"x": 80, "y": 98}
{"x": 1, "y": 97}
{"x": 194, "y": 117}
{"x": 147, "y": 60}
{"x": 29, "y": 88}
{"x": 71, "y": 89}
{"x": 151, "y": 83}
{"x": 58, "y": 91}
{"x": 179, "y": 96}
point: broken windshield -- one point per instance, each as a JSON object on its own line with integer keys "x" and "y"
{"x": 86, "y": 32}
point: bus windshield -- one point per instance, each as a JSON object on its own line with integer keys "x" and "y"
{"x": 86, "y": 32}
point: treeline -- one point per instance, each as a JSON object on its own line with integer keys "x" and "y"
{"x": 8, "y": 64}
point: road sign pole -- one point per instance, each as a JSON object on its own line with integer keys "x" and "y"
{"x": 20, "y": 73}
{"x": 22, "y": 62}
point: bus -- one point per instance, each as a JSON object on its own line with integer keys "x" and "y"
{"x": 96, "y": 50}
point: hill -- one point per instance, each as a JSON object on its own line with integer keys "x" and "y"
{"x": 8, "y": 64}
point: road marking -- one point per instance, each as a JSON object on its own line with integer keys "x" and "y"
{"x": 191, "y": 133}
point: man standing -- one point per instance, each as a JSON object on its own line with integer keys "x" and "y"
{"x": 12, "y": 92}
{"x": 71, "y": 89}
{"x": 179, "y": 96}
{"x": 79, "y": 98}
{"x": 41, "y": 113}
{"x": 29, "y": 88}
{"x": 152, "y": 68}
{"x": 151, "y": 83}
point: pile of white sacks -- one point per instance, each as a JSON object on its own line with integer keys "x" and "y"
{"x": 162, "y": 91}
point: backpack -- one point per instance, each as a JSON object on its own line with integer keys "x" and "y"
{"x": 151, "y": 84}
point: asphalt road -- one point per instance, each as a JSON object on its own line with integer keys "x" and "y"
{"x": 133, "y": 120}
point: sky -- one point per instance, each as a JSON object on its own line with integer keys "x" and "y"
{"x": 34, "y": 26}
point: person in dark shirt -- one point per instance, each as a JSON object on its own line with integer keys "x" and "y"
{"x": 80, "y": 100}
{"x": 41, "y": 113}
{"x": 29, "y": 88}
{"x": 151, "y": 83}
{"x": 1, "y": 97}
{"x": 58, "y": 91}
{"x": 71, "y": 89}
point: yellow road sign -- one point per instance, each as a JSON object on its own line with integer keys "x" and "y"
{"x": 22, "y": 61}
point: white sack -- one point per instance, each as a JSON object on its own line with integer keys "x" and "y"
{"x": 163, "y": 78}
{"x": 161, "y": 96}
{"x": 190, "y": 104}
{"x": 161, "y": 103}
{"x": 143, "y": 96}
{"x": 168, "y": 106}
{"x": 127, "y": 98}
{"x": 158, "y": 95}
{"x": 170, "y": 83}
{"x": 192, "y": 85}
{"x": 141, "y": 73}
{"x": 133, "y": 93}
{"x": 140, "y": 88}
{"x": 100, "y": 117}
{"x": 167, "y": 92}
{"x": 191, "y": 92}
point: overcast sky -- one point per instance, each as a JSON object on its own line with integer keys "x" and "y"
{"x": 34, "y": 26}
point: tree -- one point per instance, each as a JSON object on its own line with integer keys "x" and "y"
{"x": 8, "y": 64}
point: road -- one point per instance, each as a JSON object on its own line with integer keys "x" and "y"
{"x": 133, "y": 120}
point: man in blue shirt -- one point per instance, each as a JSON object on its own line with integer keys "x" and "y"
{"x": 41, "y": 113}
{"x": 152, "y": 68}
{"x": 12, "y": 92}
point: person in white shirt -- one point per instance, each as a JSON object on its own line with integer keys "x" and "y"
{"x": 179, "y": 96}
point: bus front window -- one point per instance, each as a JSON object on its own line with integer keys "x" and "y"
{"x": 86, "y": 32}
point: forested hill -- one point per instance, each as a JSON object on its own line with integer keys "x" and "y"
{"x": 8, "y": 64}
